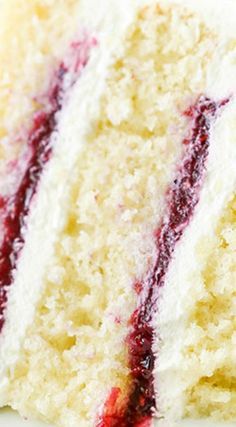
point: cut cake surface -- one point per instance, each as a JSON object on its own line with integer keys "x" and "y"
{"x": 117, "y": 211}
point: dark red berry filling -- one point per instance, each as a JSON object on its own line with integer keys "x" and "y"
{"x": 15, "y": 208}
{"x": 182, "y": 198}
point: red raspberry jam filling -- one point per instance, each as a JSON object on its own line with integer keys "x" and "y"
{"x": 15, "y": 208}
{"x": 182, "y": 198}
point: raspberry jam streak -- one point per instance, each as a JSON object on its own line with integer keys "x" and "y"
{"x": 182, "y": 198}
{"x": 15, "y": 208}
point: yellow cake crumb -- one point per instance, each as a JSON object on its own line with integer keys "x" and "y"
{"x": 214, "y": 391}
{"x": 75, "y": 351}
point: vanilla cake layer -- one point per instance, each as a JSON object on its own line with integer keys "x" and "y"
{"x": 104, "y": 196}
{"x": 213, "y": 320}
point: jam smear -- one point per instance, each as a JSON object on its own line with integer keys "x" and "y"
{"x": 15, "y": 208}
{"x": 182, "y": 198}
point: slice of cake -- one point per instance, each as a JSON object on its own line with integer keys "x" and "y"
{"x": 118, "y": 211}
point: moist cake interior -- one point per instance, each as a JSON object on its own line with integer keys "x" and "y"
{"x": 120, "y": 283}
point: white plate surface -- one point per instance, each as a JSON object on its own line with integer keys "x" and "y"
{"x": 11, "y": 419}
